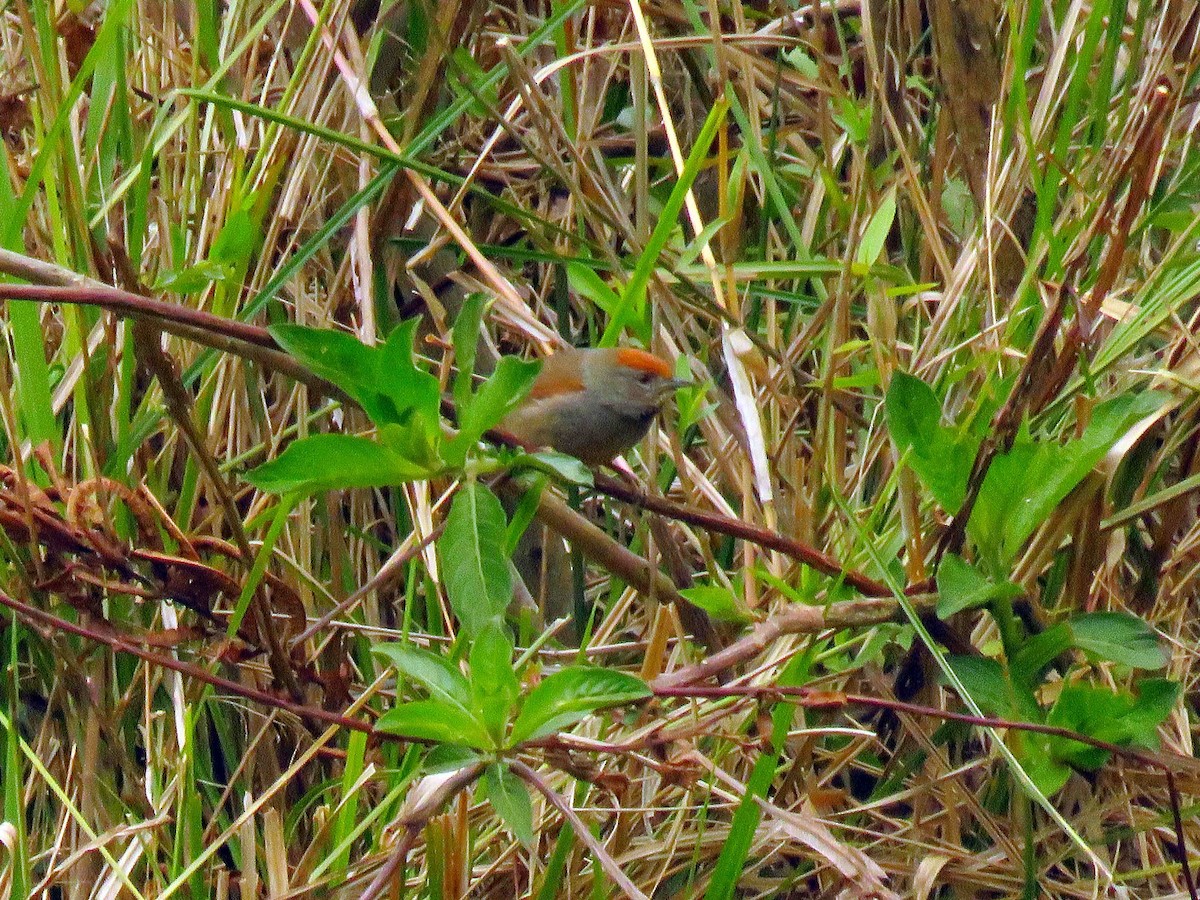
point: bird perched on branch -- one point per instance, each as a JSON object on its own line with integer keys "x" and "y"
{"x": 593, "y": 403}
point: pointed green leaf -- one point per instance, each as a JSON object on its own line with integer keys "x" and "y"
{"x": 435, "y": 673}
{"x": 1023, "y": 486}
{"x": 1119, "y": 638}
{"x": 940, "y": 456}
{"x": 718, "y": 602}
{"x": 571, "y": 695}
{"x": 433, "y": 720}
{"x": 474, "y": 563}
{"x": 510, "y": 799}
{"x": 962, "y": 586}
{"x": 875, "y": 234}
{"x": 496, "y": 397}
{"x": 494, "y": 685}
{"x": 323, "y": 462}
{"x": 466, "y": 342}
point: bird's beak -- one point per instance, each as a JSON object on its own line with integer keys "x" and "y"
{"x": 676, "y": 383}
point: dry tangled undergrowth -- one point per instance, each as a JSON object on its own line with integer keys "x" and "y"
{"x": 1041, "y": 164}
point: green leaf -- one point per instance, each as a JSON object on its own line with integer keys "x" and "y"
{"x": 402, "y": 383}
{"x": 568, "y": 696}
{"x": 1022, "y": 487}
{"x": 238, "y": 238}
{"x": 435, "y": 673}
{"x": 192, "y": 279}
{"x": 497, "y": 397}
{"x": 1156, "y": 698}
{"x": 1116, "y": 717}
{"x": 940, "y": 456}
{"x": 510, "y": 799}
{"x": 876, "y": 232}
{"x": 419, "y": 440}
{"x": 339, "y": 358}
{"x": 324, "y": 462}
{"x": 385, "y": 380}
{"x": 962, "y": 586}
{"x": 474, "y": 563}
{"x": 433, "y": 720}
{"x": 1029, "y": 662}
{"x": 448, "y": 758}
{"x": 1047, "y": 772}
{"x": 718, "y": 602}
{"x": 560, "y": 465}
{"x": 1118, "y": 637}
{"x": 985, "y": 681}
{"x": 465, "y": 337}
{"x": 494, "y": 685}
{"x": 1085, "y": 709}
{"x": 586, "y": 283}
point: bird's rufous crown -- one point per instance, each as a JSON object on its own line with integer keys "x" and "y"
{"x": 643, "y": 362}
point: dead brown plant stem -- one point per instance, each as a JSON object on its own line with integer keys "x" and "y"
{"x": 132, "y": 305}
{"x": 795, "y": 619}
{"x": 415, "y": 819}
{"x": 582, "y": 832}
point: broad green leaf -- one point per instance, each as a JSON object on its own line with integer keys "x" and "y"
{"x": 1118, "y": 718}
{"x": 433, "y": 720}
{"x": 1022, "y": 487}
{"x": 941, "y": 457}
{"x": 1156, "y": 698}
{"x": 560, "y": 465}
{"x": 192, "y": 279}
{"x": 1030, "y": 661}
{"x": 985, "y": 681}
{"x": 418, "y": 440}
{"x": 402, "y": 382}
{"x": 494, "y": 685}
{"x": 568, "y": 696}
{"x": 448, "y": 758}
{"x": 1085, "y": 709}
{"x": 496, "y": 397}
{"x": 1119, "y": 638}
{"x": 238, "y": 238}
{"x": 385, "y": 380}
{"x": 510, "y": 799}
{"x": 324, "y": 462}
{"x": 338, "y": 357}
{"x": 1047, "y": 772}
{"x": 586, "y": 283}
{"x": 434, "y": 673}
{"x": 718, "y": 602}
{"x": 474, "y": 561}
{"x": 962, "y": 586}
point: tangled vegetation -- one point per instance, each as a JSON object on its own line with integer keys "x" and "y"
{"x": 897, "y": 599}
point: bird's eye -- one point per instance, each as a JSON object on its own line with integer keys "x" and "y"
{"x": 645, "y": 377}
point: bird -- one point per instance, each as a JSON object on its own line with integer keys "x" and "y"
{"x": 593, "y": 403}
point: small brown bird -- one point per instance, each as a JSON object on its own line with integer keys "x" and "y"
{"x": 593, "y": 403}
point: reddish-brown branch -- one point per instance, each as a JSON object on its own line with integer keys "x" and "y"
{"x": 770, "y": 540}
{"x": 33, "y": 615}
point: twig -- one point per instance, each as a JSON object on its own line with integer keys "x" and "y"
{"x": 599, "y": 853}
{"x": 415, "y": 819}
